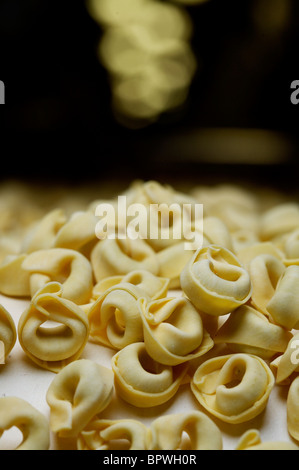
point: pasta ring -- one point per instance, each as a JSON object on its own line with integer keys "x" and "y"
{"x": 215, "y": 281}
{"x": 143, "y": 382}
{"x": 173, "y": 330}
{"x": 223, "y": 386}
{"x": 69, "y": 267}
{"x": 32, "y": 423}
{"x": 100, "y": 434}
{"x": 166, "y": 432}
{"x": 77, "y": 393}
{"x": 53, "y": 347}
{"x": 114, "y": 317}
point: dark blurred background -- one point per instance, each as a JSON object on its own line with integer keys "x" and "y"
{"x": 237, "y": 122}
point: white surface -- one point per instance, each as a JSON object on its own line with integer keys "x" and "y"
{"x": 22, "y": 378}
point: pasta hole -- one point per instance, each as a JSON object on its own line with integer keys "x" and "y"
{"x": 148, "y": 364}
{"x": 50, "y": 324}
{"x": 52, "y": 328}
{"x": 11, "y": 438}
{"x": 236, "y": 378}
{"x": 64, "y": 273}
{"x": 185, "y": 443}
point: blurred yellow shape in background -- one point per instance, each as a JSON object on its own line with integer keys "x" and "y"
{"x": 145, "y": 47}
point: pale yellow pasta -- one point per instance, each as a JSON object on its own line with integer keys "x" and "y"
{"x": 284, "y": 305}
{"x": 157, "y": 193}
{"x": 249, "y": 331}
{"x": 8, "y": 333}
{"x": 108, "y": 434}
{"x": 291, "y": 248}
{"x": 265, "y": 271}
{"x": 232, "y": 204}
{"x": 173, "y": 330}
{"x": 242, "y": 239}
{"x": 16, "y": 412}
{"x": 279, "y": 220}
{"x": 77, "y": 393}
{"x": 105, "y": 284}
{"x": 142, "y": 381}
{"x": 53, "y": 347}
{"x": 112, "y": 257}
{"x": 215, "y": 232}
{"x": 14, "y": 281}
{"x": 287, "y": 364}
{"x": 43, "y": 233}
{"x": 163, "y": 224}
{"x": 171, "y": 262}
{"x": 9, "y": 245}
{"x": 78, "y": 233}
{"x": 251, "y": 440}
{"x": 114, "y": 317}
{"x": 224, "y": 386}
{"x": 153, "y": 192}
{"x": 155, "y": 287}
{"x": 215, "y": 281}
{"x": 248, "y": 253}
{"x": 293, "y": 409}
{"x": 166, "y": 432}
{"x": 69, "y": 267}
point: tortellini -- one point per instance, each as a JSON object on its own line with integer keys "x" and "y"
{"x": 8, "y": 333}
{"x": 213, "y": 316}
{"x": 248, "y": 330}
{"x": 215, "y": 281}
{"x": 142, "y": 381}
{"x": 69, "y": 267}
{"x": 251, "y": 440}
{"x": 78, "y": 233}
{"x": 284, "y": 305}
{"x": 279, "y": 220}
{"x": 104, "y": 434}
{"x": 53, "y": 347}
{"x": 114, "y": 317}
{"x": 112, "y": 257}
{"x": 224, "y": 386}
{"x": 173, "y": 330}
{"x": 54, "y": 230}
{"x": 25, "y": 274}
{"x": 32, "y": 423}
{"x": 155, "y": 287}
{"x": 293, "y": 409}
{"x": 166, "y": 432}
{"x": 265, "y": 271}
{"x": 42, "y": 235}
{"x": 77, "y": 393}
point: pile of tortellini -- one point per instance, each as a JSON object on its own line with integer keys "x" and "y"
{"x": 223, "y": 318}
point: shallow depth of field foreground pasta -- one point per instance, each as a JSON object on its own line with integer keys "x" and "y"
{"x": 113, "y": 340}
